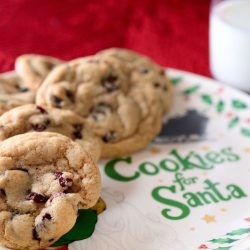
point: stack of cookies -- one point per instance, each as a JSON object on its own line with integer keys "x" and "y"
{"x": 57, "y": 119}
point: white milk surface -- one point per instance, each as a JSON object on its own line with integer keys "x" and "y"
{"x": 230, "y": 43}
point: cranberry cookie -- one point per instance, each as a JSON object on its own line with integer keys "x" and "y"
{"x": 144, "y": 71}
{"x": 45, "y": 178}
{"x": 28, "y": 118}
{"x": 13, "y": 93}
{"x": 126, "y": 116}
{"x": 32, "y": 68}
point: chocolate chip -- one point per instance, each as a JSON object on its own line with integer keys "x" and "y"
{"x": 42, "y": 110}
{"x": 2, "y": 192}
{"x": 156, "y": 84}
{"x": 100, "y": 110}
{"x": 35, "y": 235}
{"x": 39, "y": 127}
{"x": 165, "y": 88}
{"x": 23, "y": 89}
{"x": 110, "y": 83}
{"x": 78, "y": 131}
{"x": 56, "y": 100}
{"x": 144, "y": 70}
{"x": 50, "y": 240}
{"x": 110, "y": 136}
{"x": 38, "y": 198}
{"x": 70, "y": 95}
{"x": 47, "y": 217}
{"x": 49, "y": 65}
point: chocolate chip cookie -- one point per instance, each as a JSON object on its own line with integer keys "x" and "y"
{"x": 32, "y": 68}
{"x": 13, "y": 93}
{"x": 44, "y": 179}
{"x": 30, "y": 118}
{"x": 144, "y": 71}
{"x": 127, "y": 116}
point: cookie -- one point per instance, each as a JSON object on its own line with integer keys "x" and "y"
{"x": 144, "y": 71}
{"x": 126, "y": 116}
{"x": 30, "y": 118}
{"x": 44, "y": 179}
{"x": 32, "y": 68}
{"x": 13, "y": 93}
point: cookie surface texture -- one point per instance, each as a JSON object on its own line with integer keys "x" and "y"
{"x": 30, "y": 118}
{"x": 33, "y": 68}
{"x": 13, "y": 93}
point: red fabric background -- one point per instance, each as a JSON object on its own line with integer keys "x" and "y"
{"x": 173, "y": 32}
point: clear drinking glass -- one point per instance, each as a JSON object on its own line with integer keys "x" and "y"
{"x": 230, "y": 42}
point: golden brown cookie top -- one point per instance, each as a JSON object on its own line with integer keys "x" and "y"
{"x": 13, "y": 92}
{"x": 45, "y": 178}
{"x": 33, "y": 68}
{"x": 30, "y": 118}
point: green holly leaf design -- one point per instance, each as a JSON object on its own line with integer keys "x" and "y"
{"x": 239, "y": 104}
{"x": 176, "y": 80}
{"x": 207, "y": 99}
{"x": 245, "y": 132}
{"x": 233, "y": 122}
{"x": 223, "y": 248}
{"x": 223, "y": 240}
{"x": 191, "y": 90}
{"x": 239, "y": 231}
{"x": 83, "y": 228}
{"x": 220, "y": 106}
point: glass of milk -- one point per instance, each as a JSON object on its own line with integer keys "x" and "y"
{"x": 230, "y": 42}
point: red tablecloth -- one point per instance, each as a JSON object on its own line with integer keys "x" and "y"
{"x": 173, "y": 32}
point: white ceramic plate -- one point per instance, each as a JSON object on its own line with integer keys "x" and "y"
{"x": 190, "y": 189}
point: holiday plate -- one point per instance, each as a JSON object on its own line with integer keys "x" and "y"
{"x": 189, "y": 189}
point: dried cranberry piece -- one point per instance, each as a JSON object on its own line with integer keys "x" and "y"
{"x": 162, "y": 72}
{"x": 110, "y": 83}
{"x": 42, "y": 110}
{"x": 70, "y": 95}
{"x": 58, "y": 174}
{"x": 110, "y": 136}
{"x": 64, "y": 182}
{"x": 54, "y": 195}
{"x": 78, "y": 131}
{"x": 40, "y": 127}
{"x": 56, "y": 100}
{"x": 47, "y": 217}
{"x": 38, "y": 198}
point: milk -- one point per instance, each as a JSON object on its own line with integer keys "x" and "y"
{"x": 230, "y": 43}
